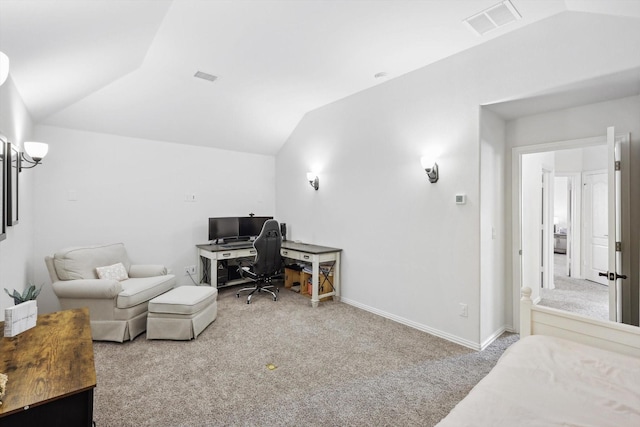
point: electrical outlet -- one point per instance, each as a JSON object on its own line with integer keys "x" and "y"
{"x": 464, "y": 310}
{"x": 190, "y": 270}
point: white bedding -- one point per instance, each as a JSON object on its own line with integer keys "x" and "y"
{"x": 548, "y": 381}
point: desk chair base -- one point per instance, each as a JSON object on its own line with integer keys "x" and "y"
{"x": 258, "y": 288}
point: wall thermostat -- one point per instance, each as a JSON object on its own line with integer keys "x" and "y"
{"x": 461, "y": 199}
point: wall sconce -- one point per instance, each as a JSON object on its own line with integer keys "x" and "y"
{"x": 431, "y": 168}
{"x": 313, "y": 180}
{"x": 36, "y": 152}
{"x": 4, "y": 68}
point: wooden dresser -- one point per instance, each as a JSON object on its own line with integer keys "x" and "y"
{"x": 51, "y": 372}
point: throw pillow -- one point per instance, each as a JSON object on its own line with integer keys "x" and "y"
{"x": 113, "y": 272}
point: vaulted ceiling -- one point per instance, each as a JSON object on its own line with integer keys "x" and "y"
{"x": 127, "y": 67}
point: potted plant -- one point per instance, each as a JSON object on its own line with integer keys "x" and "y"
{"x": 29, "y": 294}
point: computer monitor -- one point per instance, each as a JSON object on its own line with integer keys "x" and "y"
{"x": 251, "y": 226}
{"x": 223, "y": 228}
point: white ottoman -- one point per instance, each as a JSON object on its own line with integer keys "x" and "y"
{"x": 182, "y": 313}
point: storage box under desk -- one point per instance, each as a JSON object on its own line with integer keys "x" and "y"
{"x": 325, "y": 285}
{"x": 291, "y": 276}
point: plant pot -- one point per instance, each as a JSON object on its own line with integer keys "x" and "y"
{"x": 20, "y": 317}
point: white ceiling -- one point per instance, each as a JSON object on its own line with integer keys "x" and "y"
{"x": 126, "y": 67}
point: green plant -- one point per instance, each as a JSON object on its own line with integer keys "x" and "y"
{"x": 29, "y": 294}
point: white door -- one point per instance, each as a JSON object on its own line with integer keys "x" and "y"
{"x": 596, "y": 226}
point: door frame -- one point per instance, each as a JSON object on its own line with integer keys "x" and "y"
{"x": 516, "y": 205}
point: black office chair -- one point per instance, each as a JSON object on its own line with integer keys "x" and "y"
{"x": 267, "y": 264}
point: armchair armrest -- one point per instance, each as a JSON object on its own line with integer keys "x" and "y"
{"x": 87, "y": 288}
{"x": 246, "y": 273}
{"x": 147, "y": 270}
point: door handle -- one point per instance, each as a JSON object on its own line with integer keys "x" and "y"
{"x": 613, "y": 276}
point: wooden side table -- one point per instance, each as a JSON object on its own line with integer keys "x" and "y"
{"x": 51, "y": 372}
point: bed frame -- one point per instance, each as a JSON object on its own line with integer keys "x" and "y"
{"x": 538, "y": 320}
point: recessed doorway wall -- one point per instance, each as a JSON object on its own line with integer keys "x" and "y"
{"x": 536, "y": 125}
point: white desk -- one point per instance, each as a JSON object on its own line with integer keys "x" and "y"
{"x": 305, "y": 252}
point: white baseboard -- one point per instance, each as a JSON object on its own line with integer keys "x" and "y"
{"x": 486, "y": 343}
{"x": 466, "y": 343}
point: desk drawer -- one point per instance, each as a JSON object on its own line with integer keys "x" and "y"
{"x": 288, "y": 253}
{"x": 305, "y": 257}
{"x": 245, "y": 253}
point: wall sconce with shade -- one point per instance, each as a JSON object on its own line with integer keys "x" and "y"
{"x": 36, "y": 151}
{"x": 4, "y": 68}
{"x": 431, "y": 168}
{"x": 313, "y": 180}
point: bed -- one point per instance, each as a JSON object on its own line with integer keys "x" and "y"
{"x": 566, "y": 370}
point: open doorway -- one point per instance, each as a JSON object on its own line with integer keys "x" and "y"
{"x": 572, "y": 173}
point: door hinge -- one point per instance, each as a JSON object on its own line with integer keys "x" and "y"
{"x": 520, "y": 252}
{"x": 618, "y": 246}
{"x": 617, "y": 165}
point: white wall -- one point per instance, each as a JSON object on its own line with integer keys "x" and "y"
{"x": 16, "y": 249}
{"x": 584, "y": 122}
{"x": 133, "y": 191}
{"x": 570, "y": 160}
{"x": 410, "y": 253}
{"x": 595, "y": 158}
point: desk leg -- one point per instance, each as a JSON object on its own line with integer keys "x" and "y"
{"x": 208, "y": 270}
{"x": 336, "y": 278}
{"x": 315, "y": 276}
{"x": 213, "y": 273}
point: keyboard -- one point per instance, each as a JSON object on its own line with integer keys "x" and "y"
{"x": 237, "y": 245}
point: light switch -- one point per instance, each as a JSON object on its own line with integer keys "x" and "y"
{"x": 72, "y": 196}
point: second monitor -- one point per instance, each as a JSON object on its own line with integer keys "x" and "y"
{"x": 235, "y": 228}
{"x": 251, "y": 226}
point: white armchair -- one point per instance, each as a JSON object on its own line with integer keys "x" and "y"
{"x": 117, "y": 308}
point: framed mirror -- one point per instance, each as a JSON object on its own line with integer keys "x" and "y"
{"x": 13, "y": 173}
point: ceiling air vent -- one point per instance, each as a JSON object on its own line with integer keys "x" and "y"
{"x": 205, "y": 76}
{"x": 494, "y": 17}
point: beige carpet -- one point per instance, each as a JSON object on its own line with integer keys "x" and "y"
{"x": 576, "y": 295}
{"x": 335, "y": 366}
